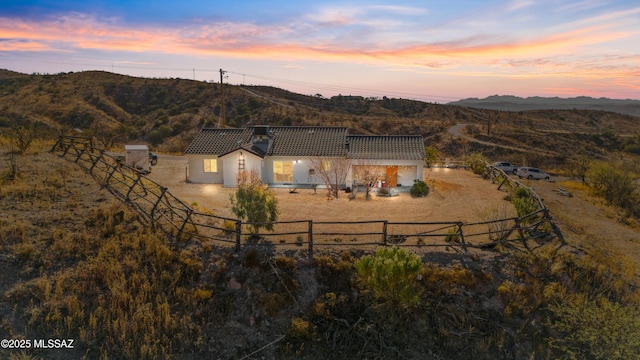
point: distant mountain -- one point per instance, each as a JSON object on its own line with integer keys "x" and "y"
{"x": 514, "y": 103}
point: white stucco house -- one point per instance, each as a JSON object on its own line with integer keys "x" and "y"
{"x": 288, "y": 155}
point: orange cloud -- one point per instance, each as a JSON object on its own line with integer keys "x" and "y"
{"x": 475, "y": 54}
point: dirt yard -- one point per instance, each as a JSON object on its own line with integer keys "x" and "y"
{"x": 456, "y": 195}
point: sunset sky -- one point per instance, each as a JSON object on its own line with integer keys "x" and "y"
{"x": 438, "y": 51}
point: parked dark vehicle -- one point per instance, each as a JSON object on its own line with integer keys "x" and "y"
{"x": 532, "y": 173}
{"x": 153, "y": 158}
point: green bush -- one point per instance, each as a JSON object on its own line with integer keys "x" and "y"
{"x": 419, "y": 188}
{"x": 616, "y": 185}
{"x": 477, "y": 163}
{"x": 523, "y": 202}
{"x": 392, "y": 275}
{"x": 254, "y": 202}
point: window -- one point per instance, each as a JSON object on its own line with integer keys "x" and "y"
{"x": 282, "y": 171}
{"x": 210, "y": 165}
{"x": 326, "y": 165}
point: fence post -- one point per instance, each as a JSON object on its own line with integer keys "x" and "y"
{"x": 238, "y": 234}
{"x": 462, "y": 241}
{"x": 184, "y": 224}
{"x": 55, "y": 146}
{"x": 135, "y": 182}
{"x": 310, "y": 240}
{"x": 80, "y": 153}
{"x": 114, "y": 168}
{"x": 155, "y": 205}
{"x": 98, "y": 158}
{"x": 384, "y": 232}
{"x": 519, "y": 227}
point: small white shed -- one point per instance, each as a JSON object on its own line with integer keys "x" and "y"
{"x": 137, "y": 156}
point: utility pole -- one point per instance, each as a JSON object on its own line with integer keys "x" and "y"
{"x": 222, "y": 123}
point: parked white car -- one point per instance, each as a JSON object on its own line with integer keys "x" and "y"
{"x": 532, "y": 173}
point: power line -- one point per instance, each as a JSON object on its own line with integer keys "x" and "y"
{"x": 339, "y": 88}
{"x": 313, "y": 85}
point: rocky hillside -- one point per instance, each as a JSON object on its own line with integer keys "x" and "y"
{"x": 78, "y": 264}
{"x": 166, "y": 113}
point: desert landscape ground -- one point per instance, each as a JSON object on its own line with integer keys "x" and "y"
{"x": 79, "y": 263}
{"x": 450, "y": 189}
{"x": 456, "y": 195}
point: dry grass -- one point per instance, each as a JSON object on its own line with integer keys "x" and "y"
{"x": 83, "y": 267}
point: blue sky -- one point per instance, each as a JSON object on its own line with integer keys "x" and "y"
{"x": 436, "y": 51}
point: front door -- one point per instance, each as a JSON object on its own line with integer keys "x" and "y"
{"x": 392, "y": 176}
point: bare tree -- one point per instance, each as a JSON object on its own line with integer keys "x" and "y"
{"x": 368, "y": 174}
{"x": 107, "y": 137}
{"x": 332, "y": 171}
{"x": 579, "y": 166}
{"x": 22, "y": 137}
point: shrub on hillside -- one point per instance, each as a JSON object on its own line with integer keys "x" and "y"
{"x": 392, "y": 275}
{"x": 616, "y": 185}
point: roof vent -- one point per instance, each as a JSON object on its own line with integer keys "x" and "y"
{"x": 261, "y": 130}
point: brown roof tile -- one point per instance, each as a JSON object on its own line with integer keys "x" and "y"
{"x": 218, "y": 141}
{"x": 401, "y": 147}
{"x": 308, "y": 141}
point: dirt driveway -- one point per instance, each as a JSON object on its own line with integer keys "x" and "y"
{"x": 588, "y": 224}
{"x": 456, "y": 195}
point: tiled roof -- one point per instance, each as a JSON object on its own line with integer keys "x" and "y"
{"x": 308, "y": 141}
{"x": 401, "y": 147}
{"x": 219, "y": 141}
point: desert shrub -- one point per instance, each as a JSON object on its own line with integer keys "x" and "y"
{"x": 419, "y": 188}
{"x": 524, "y": 206}
{"x": 492, "y": 214}
{"x": 522, "y": 200}
{"x": 300, "y": 329}
{"x": 438, "y": 280}
{"x": 521, "y": 193}
{"x": 476, "y": 163}
{"x": 595, "y": 329}
{"x": 12, "y": 171}
{"x": 616, "y": 185}
{"x": 22, "y": 137}
{"x": 453, "y": 236}
{"x": 392, "y": 275}
{"x": 229, "y": 227}
{"x": 255, "y": 203}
